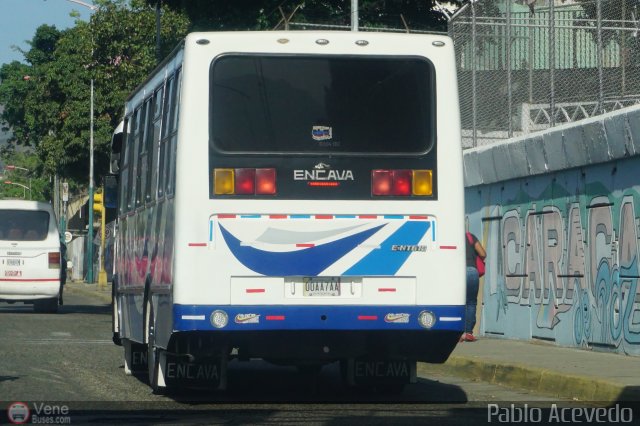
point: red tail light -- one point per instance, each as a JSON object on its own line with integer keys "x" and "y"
{"x": 54, "y": 260}
{"x": 381, "y": 182}
{"x": 401, "y": 182}
{"x": 266, "y": 181}
{"x": 245, "y": 181}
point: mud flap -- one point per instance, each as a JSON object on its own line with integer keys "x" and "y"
{"x": 135, "y": 358}
{"x": 206, "y": 373}
{"x": 367, "y": 372}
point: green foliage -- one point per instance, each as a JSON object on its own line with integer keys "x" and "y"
{"x": 40, "y": 187}
{"x": 220, "y": 15}
{"x": 49, "y": 109}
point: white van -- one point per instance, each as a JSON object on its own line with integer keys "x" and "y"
{"x": 31, "y": 255}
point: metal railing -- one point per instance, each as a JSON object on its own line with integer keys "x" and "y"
{"x": 524, "y": 69}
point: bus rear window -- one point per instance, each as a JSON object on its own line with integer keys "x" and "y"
{"x": 322, "y": 104}
{"x": 24, "y": 225}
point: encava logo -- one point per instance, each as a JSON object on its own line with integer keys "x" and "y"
{"x": 322, "y": 171}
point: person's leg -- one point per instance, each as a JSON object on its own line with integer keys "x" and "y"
{"x": 473, "y": 283}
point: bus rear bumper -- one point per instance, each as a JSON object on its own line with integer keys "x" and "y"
{"x": 292, "y": 317}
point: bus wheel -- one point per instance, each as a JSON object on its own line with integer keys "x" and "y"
{"x": 153, "y": 361}
{"x": 46, "y": 306}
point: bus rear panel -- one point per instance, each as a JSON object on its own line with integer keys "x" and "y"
{"x": 318, "y": 208}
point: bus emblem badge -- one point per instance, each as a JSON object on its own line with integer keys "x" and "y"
{"x": 247, "y": 319}
{"x": 397, "y": 318}
{"x": 321, "y": 133}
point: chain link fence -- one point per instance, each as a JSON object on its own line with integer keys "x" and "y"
{"x": 528, "y": 65}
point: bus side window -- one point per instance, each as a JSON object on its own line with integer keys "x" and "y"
{"x": 152, "y": 145}
{"x": 124, "y": 168}
{"x": 131, "y": 142}
{"x": 166, "y": 110}
{"x": 175, "y": 110}
{"x": 141, "y": 169}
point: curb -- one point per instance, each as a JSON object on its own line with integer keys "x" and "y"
{"x": 544, "y": 381}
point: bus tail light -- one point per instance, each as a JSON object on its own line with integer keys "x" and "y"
{"x": 266, "y": 181}
{"x": 422, "y": 182}
{"x": 401, "y": 182}
{"x": 244, "y": 181}
{"x": 381, "y": 182}
{"x": 223, "y": 181}
{"x": 54, "y": 260}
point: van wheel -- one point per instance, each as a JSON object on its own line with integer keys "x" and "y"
{"x": 46, "y": 306}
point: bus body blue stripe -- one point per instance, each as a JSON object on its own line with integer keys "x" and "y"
{"x": 314, "y": 317}
{"x": 384, "y": 261}
{"x": 308, "y": 261}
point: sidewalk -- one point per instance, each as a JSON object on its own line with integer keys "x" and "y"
{"x": 578, "y": 374}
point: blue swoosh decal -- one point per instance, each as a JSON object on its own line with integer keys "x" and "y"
{"x": 385, "y": 261}
{"x": 309, "y": 261}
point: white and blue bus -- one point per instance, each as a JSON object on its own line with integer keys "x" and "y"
{"x": 295, "y": 197}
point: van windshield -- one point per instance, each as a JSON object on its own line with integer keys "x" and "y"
{"x": 23, "y": 225}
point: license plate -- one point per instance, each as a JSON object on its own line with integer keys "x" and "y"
{"x": 13, "y": 262}
{"x": 321, "y": 286}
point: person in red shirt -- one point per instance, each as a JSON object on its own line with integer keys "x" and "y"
{"x": 474, "y": 249}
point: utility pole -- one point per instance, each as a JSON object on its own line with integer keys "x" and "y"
{"x": 354, "y": 15}
{"x": 63, "y": 215}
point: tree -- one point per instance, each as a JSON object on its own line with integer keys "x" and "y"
{"x": 47, "y": 101}
{"x": 617, "y": 12}
{"x": 217, "y": 15}
{"x": 39, "y": 186}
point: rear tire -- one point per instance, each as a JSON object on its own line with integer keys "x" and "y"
{"x": 46, "y": 306}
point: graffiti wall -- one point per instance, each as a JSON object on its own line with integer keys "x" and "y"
{"x": 562, "y": 259}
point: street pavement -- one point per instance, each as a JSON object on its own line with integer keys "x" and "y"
{"x": 568, "y": 373}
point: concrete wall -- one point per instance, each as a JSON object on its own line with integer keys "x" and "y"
{"x": 559, "y": 214}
